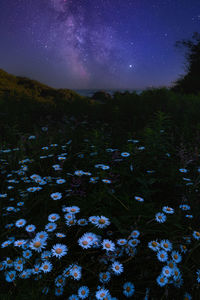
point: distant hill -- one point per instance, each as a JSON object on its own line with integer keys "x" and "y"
{"x": 21, "y": 87}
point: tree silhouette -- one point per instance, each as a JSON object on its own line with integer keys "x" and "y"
{"x": 190, "y": 83}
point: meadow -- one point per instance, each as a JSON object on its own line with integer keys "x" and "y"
{"x": 99, "y": 201}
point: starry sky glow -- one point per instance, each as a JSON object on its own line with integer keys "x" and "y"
{"x": 92, "y": 44}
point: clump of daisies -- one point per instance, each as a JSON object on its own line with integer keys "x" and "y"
{"x": 40, "y": 254}
{"x": 170, "y": 272}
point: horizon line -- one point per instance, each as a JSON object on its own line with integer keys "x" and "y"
{"x": 113, "y": 89}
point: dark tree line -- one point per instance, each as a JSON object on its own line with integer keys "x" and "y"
{"x": 190, "y": 83}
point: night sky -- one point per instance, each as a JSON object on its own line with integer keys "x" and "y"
{"x": 95, "y": 44}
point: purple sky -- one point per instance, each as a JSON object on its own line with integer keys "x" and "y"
{"x": 90, "y": 44}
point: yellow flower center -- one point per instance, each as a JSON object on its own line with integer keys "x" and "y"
{"x": 9, "y": 261}
{"x": 37, "y": 244}
{"x": 58, "y": 250}
{"x": 102, "y": 221}
{"x": 45, "y": 267}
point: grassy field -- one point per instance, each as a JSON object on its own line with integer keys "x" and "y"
{"x": 99, "y": 198}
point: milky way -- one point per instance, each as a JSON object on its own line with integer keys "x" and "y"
{"x": 96, "y": 43}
